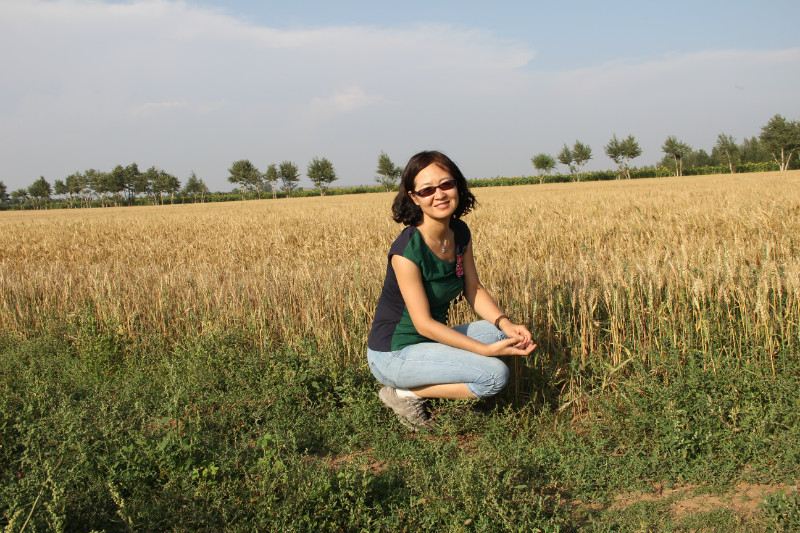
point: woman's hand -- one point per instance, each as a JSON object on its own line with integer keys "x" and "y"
{"x": 516, "y": 331}
{"x": 510, "y": 346}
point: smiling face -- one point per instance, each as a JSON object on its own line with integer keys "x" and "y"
{"x": 443, "y": 202}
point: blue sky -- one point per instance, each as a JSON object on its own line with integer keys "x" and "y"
{"x": 567, "y": 33}
{"x": 193, "y": 86}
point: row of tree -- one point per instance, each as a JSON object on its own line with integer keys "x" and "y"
{"x": 248, "y": 178}
{"x": 127, "y": 184}
{"x": 121, "y": 185}
{"x": 778, "y": 142}
{"x": 320, "y": 172}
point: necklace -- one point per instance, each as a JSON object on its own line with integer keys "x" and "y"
{"x": 443, "y": 244}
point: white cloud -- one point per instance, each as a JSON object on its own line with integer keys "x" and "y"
{"x": 341, "y": 102}
{"x": 88, "y": 84}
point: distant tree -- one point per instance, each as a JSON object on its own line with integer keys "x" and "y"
{"x": 677, "y": 150}
{"x": 289, "y": 175}
{"x": 60, "y": 188}
{"x": 726, "y": 151}
{"x": 543, "y": 163}
{"x": 90, "y": 180}
{"x": 105, "y": 185}
{"x": 19, "y": 196}
{"x": 782, "y": 139}
{"x": 321, "y": 173}
{"x": 388, "y": 172}
{"x": 141, "y": 183}
{"x": 622, "y": 152}
{"x": 132, "y": 182}
{"x": 150, "y": 177}
{"x": 700, "y": 158}
{"x": 173, "y": 186}
{"x": 271, "y": 179}
{"x": 3, "y": 194}
{"x": 581, "y": 154}
{"x": 566, "y": 158}
{"x": 246, "y": 175}
{"x": 194, "y": 188}
{"x": 117, "y": 182}
{"x": 40, "y": 191}
{"x": 752, "y": 150}
{"x": 575, "y": 158}
{"x": 692, "y": 159}
{"x": 74, "y": 184}
{"x": 165, "y": 184}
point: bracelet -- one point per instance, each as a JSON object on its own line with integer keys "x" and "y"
{"x": 498, "y": 319}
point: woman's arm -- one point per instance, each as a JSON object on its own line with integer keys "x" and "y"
{"x": 409, "y": 279}
{"x": 485, "y": 306}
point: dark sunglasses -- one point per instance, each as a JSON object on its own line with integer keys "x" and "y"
{"x": 427, "y": 191}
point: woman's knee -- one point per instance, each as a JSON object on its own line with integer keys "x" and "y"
{"x": 493, "y": 380}
{"x": 484, "y": 331}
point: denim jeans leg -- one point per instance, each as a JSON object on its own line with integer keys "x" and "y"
{"x": 433, "y": 363}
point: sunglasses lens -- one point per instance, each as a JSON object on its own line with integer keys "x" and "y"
{"x": 427, "y": 191}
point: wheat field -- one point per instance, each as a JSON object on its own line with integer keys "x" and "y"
{"x": 605, "y": 273}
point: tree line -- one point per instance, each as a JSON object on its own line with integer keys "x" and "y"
{"x": 778, "y": 142}
{"x": 120, "y": 186}
{"x": 127, "y": 185}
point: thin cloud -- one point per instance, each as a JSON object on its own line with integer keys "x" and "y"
{"x": 341, "y": 102}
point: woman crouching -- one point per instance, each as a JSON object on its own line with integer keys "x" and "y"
{"x": 411, "y": 349}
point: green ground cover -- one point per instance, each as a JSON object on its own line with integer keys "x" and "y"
{"x": 221, "y": 434}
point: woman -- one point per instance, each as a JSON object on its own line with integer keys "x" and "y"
{"x": 411, "y": 350}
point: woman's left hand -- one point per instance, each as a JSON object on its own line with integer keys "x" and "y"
{"x": 517, "y": 331}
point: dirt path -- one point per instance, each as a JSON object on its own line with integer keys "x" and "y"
{"x": 744, "y": 499}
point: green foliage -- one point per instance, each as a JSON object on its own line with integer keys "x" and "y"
{"x": 19, "y": 196}
{"x": 163, "y": 183}
{"x": 781, "y": 512}
{"x": 676, "y": 149}
{"x": 3, "y": 194}
{"x": 726, "y": 151}
{"x": 289, "y": 175}
{"x": 194, "y": 188}
{"x": 387, "y": 172}
{"x": 132, "y": 181}
{"x": 321, "y": 173}
{"x": 219, "y": 432}
{"x": 59, "y": 188}
{"x": 753, "y": 151}
{"x": 575, "y": 158}
{"x": 271, "y": 178}
{"x": 245, "y": 174}
{"x": 622, "y": 152}
{"x": 40, "y": 192}
{"x": 782, "y": 139}
{"x": 565, "y": 158}
{"x": 115, "y": 181}
{"x": 581, "y": 154}
{"x": 543, "y": 163}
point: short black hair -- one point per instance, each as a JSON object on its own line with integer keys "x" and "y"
{"x": 405, "y": 210}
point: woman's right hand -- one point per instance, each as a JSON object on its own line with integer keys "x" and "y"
{"x": 508, "y": 347}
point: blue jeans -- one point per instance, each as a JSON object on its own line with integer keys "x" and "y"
{"x": 433, "y": 363}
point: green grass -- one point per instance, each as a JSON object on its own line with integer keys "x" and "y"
{"x": 219, "y": 433}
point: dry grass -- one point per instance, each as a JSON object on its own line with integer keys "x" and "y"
{"x": 606, "y": 272}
